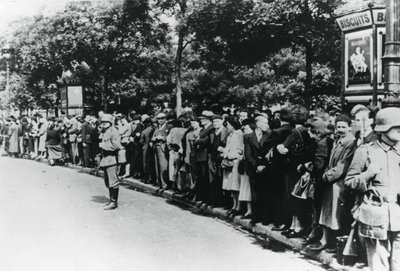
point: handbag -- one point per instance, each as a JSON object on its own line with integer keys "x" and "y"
{"x": 372, "y": 215}
{"x": 226, "y": 163}
{"x": 304, "y": 188}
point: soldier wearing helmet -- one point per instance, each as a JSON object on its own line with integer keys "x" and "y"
{"x": 110, "y": 145}
{"x": 377, "y": 166}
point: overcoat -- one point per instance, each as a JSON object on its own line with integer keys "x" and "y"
{"x": 42, "y": 136}
{"x": 13, "y": 134}
{"x": 335, "y": 205}
{"x": 202, "y": 144}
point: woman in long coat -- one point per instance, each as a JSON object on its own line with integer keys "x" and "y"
{"x": 335, "y": 212}
{"x": 233, "y": 152}
{"x": 42, "y": 137}
{"x": 13, "y": 147}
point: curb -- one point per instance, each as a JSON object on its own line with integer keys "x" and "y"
{"x": 260, "y": 230}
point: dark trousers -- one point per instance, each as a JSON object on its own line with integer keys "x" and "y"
{"x": 215, "y": 175}
{"x": 136, "y": 159}
{"x": 284, "y": 181}
{"x": 202, "y": 188}
{"x": 87, "y": 152}
{"x": 261, "y": 193}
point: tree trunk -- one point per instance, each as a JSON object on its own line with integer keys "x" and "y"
{"x": 178, "y": 75}
{"x": 308, "y": 82}
{"x": 104, "y": 91}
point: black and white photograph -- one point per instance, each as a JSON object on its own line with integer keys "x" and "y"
{"x": 200, "y": 135}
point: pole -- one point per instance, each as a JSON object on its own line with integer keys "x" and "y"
{"x": 391, "y": 59}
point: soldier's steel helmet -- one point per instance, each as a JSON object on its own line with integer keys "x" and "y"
{"x": 387, "y": 118}
{"x": 106, "y": 118}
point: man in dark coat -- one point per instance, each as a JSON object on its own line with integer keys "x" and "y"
{"x": 277, "y": 162}
{"x": 87, "y": 141}
{"x": 201, "y": 150}
{"x": 217, "y": 141}
{"x": 256, "y": 169}
{"x": 136, "y": 147}
{"x": 147, "y": 151}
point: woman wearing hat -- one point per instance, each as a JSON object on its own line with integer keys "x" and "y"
{"x": 231, "y": 155}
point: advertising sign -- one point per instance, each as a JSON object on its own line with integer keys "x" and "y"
{"x": 355, "y": 20}
{"x": 75, "y": 96}
{"x": 358, "y": 60}
{"x": 379, "y": 16}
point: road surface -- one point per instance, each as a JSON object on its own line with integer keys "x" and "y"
{"x": 52, "y": 219}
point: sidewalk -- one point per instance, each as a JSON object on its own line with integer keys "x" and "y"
{"x": 260, "y": 230}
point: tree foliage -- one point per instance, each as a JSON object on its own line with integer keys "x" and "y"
{"x": 215, "y": 53}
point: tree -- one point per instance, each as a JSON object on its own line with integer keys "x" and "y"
{"x": 309, "y": 24}
{"x": 114, "y": 39}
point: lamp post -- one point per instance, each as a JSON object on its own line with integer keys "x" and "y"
{"x": 392, "y": 53}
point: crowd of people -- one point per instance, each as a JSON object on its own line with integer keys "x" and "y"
{"x": 310, "y": 175}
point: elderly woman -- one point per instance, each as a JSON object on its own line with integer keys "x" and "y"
{"x": 232, "y": 154}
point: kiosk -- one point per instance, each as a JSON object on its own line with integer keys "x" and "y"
{"x": 363, "y": 39}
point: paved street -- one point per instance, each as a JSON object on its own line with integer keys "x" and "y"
{"x": 51, "y": 219}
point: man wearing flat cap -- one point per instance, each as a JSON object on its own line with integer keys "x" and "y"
{"x": 201, "y": 149}
{"x": 159, "y": 141}
{"x": 110, "y": 145}
{"x": 218, "y": 138}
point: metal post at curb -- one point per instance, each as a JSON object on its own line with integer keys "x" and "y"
{"x": 391, "y": 59}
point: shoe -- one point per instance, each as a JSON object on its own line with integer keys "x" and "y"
{"x": 331, "y": 250}
{"x": 279, "y": 228}
{"x": 248, "y": 216}
{"x": 287, "y": 232}
{"x": 311, "y": 240}
{"x": 317, "y": 246}
{"x": 106, "y": 204}
{"x": 294, "y": 234}
{"x": 111, "y": 206}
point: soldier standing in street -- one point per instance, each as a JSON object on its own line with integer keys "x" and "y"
{"x": 110, "y": 145}
{"x": 375, "y": 167}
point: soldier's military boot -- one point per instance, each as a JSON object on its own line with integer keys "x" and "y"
{"x": 114, "y": 199}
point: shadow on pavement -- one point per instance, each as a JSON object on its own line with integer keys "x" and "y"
{"x": 99, "y": 199}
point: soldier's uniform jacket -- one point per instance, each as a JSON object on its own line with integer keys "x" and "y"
{"x": 110, "y": 144}
{"x": 386, "y": 181}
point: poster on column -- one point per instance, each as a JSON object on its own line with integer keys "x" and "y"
{"x": 358, "y": 60}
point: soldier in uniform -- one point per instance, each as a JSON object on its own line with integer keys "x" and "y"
{"x": 376, "y": 166}
{"x": 110, "y": 145}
